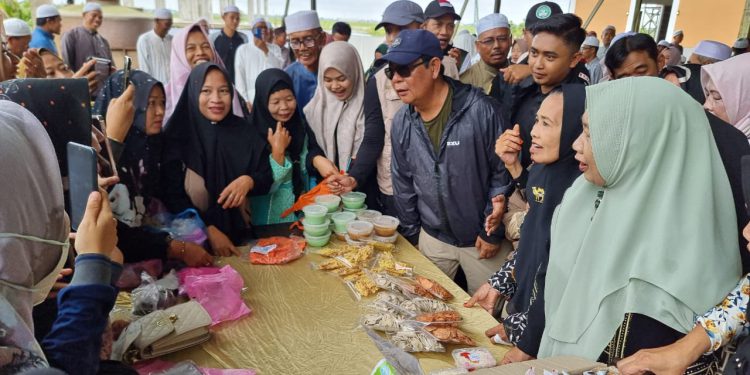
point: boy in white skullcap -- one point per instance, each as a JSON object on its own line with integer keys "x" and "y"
{"x": 154, "y": 47}
{"x": 589, "y": 50}
{"x": 307, "y": 39}
{"x": 229, "y": 39}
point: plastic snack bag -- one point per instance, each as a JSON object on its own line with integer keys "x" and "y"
{"x": 151, "y": 296}
{"x": 277, "y": 250}
{"x": 473, "y": 358}
{"x": 413, "y": 338}
{"x": 188, "y": 227}
{"x": 219, "y": 294}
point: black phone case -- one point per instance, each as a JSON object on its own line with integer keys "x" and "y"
{"x": 81, "y": 179}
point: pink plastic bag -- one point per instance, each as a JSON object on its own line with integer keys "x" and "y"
{"x": 195, "y": 271}
{"x": 219, "y": 294}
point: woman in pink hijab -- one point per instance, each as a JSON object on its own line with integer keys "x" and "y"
{"x": 191, "y": 47}
{"x": 727, "y": 88}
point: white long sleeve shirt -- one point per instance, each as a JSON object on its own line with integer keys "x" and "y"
{"x": 249, "y": 62}
{"x": 153, "y": 55}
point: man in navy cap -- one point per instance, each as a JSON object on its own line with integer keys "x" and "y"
{"x": 440, "y": 19}
{"x": 443, "y": 166}
{"x": 381, "y": 105}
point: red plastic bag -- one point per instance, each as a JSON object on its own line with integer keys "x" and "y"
{"x": 277, "y": 250}
{"x": 220, "y": 294}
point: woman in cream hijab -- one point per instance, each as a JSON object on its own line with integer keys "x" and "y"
{"x": 336, "y": 112}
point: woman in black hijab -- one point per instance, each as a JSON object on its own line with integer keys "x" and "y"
{"x": 136, "y": 199}
{"x": 213, "y": 159}
{"x": 545, "y": 183}
{"x": 293, "y": 147}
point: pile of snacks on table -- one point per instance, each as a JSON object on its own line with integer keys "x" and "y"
{"x": 409, "y": 308}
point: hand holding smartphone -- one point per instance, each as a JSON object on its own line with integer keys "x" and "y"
{"x": 81, "y": 178}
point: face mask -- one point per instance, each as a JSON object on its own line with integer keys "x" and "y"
{"x": 42, "y": 288}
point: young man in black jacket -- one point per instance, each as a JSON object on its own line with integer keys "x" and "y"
{"x": 444, "y": 168}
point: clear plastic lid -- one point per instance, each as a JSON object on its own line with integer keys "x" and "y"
{"x": 328, "y": 199}
{"x": 386, "y": 221}
{"x": 343, "y": 216}
{"x": 314, "y": 210}
{"x": 368, "y": 215}
{"x": 354, "y": 196}
{"x": 362, "y": 228}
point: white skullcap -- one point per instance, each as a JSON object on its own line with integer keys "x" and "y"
{"x": 591, "y": 41}
{"x": 664, "y": 43}
{"x": 713, "y": 49}
{"x": 230, "y": 9}
{"x": 256, "y": 20}
{"x": 90, "y": 7}
{"x": 741, "y": 43}
{"x": 302, "y": 21}
{"x": 677, "y": 33}
{"x": 16, "y": 27}
{"x": 622, "y": 35}
{"x": 46, "y": 11}
{"x": 492, "y": 21}
{"x": 163, "y": 14}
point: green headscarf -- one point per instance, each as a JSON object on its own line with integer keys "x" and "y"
{"x": 663, "y": 240}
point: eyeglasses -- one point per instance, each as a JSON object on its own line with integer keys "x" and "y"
{"x": 403, "y": 71}
{"x": 487, "y": 42}
{"x": 309, "y": 42}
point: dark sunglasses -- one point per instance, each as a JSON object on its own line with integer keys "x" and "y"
{"x": 404, "y": 71}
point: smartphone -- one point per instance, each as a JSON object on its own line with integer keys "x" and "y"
{"x": 258, "y": 33}
{"x": 745, "y": 162}
{"x": 108, "y": 165}
{"x": 81, "y": 179}
{"x": 126, "y": 72}
{"x": 103, "y": 68}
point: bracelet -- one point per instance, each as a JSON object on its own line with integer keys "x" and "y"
{"x": 182, "y": 252}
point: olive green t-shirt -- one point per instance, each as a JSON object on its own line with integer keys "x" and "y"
{"x": 436, "y": 126}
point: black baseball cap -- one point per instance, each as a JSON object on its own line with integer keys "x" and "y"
{"x": 410, "y": 45}
{"x": 439, "y": 8}
{"x": 401, "y": 13}
{"x": 541, "y": 12}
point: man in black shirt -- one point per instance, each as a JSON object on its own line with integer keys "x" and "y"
{"x": 229, "y": 38}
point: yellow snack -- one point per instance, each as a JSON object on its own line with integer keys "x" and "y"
{"x": 365, "y": 286}
{"x": 380, "y": 246}
{"x": 329, "y": 252}
{"x": 331, "y": 264}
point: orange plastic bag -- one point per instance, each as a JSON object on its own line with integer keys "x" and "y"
{"x": 277, "y": 250}
{"x": 308, "y": 198}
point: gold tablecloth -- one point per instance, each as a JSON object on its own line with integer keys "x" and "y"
{"x": 305, "y": 322}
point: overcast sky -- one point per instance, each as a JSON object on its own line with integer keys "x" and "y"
{"x": 373, "y": 10}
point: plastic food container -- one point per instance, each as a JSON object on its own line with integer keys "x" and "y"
{"x": 355, "y": 210}
{"x": 359, "y": 230}
{"x": 341, "y": 220}
{"x": 391, "y": 239}
{"x": 318, "y": 241}
{"x": 341, "y": 236}
{"x": 368, "y": 215}
{"x": 316, "y": 229}
{"x": 385, "y": 226}
{"x": 353, "y": 199}
{"x": 330, "y": 201}
{"x": 315, "y": 213}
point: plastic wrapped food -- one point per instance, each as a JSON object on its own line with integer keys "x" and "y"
{"x": 449, "y": 334}
{"x": 416, "y": 341}
{"x": 365, "y": 286}
{"x": 473, "y": 358}
{"x": 386, "y": 262}
{"x": 452, "y": 317}
{"x": 277, "y": 250}
{"x": 151, "y": 296}
{"x": 381, "y": 246}
{"x": 425, "y": 305}
{"x": 381, "y": 321}
{"x": 391, "y": 297}
{"x": 391, "y": 308}
{"x": 434, "y": 288}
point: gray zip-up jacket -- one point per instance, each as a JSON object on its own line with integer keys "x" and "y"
{"x": 448, "y": 194}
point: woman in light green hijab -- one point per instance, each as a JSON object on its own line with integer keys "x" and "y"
{"x": 647, "y": 238}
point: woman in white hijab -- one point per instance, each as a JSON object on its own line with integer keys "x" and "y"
{"x": 34, "y": 247}
{"x": 336, "y": 112}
